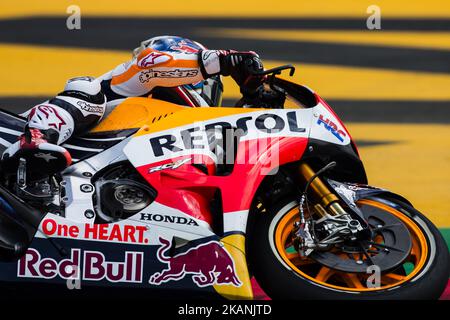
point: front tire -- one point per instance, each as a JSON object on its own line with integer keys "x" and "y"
{"x": 281, "y": 278}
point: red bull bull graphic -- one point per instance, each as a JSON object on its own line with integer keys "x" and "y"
{"x": 208, "y": 263}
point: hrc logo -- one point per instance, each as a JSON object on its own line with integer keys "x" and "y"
{"x": 332, "y": 127}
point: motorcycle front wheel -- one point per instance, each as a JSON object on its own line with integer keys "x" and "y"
{"x": 281, "y": 272}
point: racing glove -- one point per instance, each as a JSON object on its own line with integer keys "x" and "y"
{"x": 242, "y": 66}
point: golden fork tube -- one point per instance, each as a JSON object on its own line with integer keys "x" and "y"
{"x": 327, "y": 199}
{"x": 320, "y": 210}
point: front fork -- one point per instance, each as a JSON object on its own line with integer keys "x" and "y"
{"x": 336, "y": 223}
{"x": 328, "y": 201}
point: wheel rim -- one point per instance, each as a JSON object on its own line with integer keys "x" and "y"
{"x": 324, "y": 276}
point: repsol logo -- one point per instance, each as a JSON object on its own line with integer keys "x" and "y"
{"x": 199, "y": 137}
{"x": 168, "y": 219}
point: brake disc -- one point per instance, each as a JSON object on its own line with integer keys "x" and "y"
{"x": 357, "y": 256}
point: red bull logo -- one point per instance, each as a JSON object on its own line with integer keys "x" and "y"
{"x": 94, "y": 266}
{"x": 208, "y": 263}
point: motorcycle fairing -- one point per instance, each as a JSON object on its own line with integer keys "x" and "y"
{"x": 164, "y": 145}
{"x": 327, "y": 127}
{"x": 193, "y": 123}
{"x": 190, "y": 190}
{"x": 100, "y": 265}
{"x": 349, "y": 166}
{"x": 133, "y": 113}
{"x": 123, "y": 255}
{"x": 114, "y": 128}
{"x": 11, "y": 127}
{"x": 80, "y": 148}
{"x": 237, "y": 189}
{"x": 195, "y": 187}
{"x": 251, "y": 163}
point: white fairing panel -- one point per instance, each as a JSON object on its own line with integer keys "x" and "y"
{"x": 144, "y": 228}
{"x": 258, "y": 125}
{"x": 326, "y": 127}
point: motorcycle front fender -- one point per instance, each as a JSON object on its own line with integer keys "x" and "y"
{"x": 350, "y": 193}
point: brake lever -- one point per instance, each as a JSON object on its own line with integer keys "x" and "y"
{"x": 271, "y": 73}
{"x": 276, "y": 70}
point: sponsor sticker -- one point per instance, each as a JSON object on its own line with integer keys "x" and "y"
{"x": 196, "y": 137}
{"x": 171, "y": 165}
{"x": 94, "y": 266}
{"x": 332, "y": 127}
{"x": 208, "y": 263}
{"x": 97, "y": 232}
{"x": 145, "y": 76}
{"x": 152, "y": 59}
{"x": 90, "y": 108}
{"x": 168, "y": 219}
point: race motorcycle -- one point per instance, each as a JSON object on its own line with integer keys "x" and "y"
{"x": 167, "y": 198}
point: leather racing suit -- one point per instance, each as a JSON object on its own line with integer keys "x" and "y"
{"x": 159, "y": 62}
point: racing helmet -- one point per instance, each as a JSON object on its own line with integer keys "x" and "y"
{"x": 169, "y": 43}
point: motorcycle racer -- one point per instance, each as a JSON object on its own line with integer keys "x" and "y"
{"x": 164, "y": 61}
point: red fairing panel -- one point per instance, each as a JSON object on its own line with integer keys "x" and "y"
{"x": 190, "y": 190}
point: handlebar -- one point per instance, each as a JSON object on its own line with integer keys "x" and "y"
{"x": 275, "y": 71}
{"x": 274, "y": 96}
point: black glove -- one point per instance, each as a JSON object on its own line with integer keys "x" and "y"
{"x": 263, "y": 98}
{"x": 243, "y": 67}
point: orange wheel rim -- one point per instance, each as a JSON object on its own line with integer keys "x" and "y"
{"x": 350, "y": 281}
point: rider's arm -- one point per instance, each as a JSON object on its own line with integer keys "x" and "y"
{"x": 152, "y": 68}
